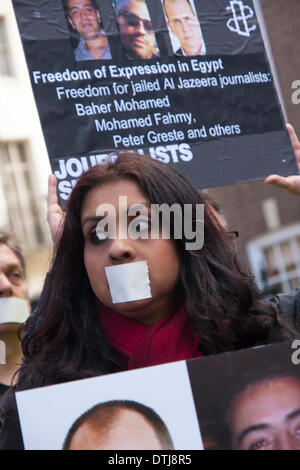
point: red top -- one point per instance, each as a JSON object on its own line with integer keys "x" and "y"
{"x": 171, "y": 339}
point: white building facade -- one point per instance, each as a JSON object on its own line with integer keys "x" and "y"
{"x": 24, "y": 165}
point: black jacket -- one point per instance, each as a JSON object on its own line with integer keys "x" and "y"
{"x": 289, "y": 306}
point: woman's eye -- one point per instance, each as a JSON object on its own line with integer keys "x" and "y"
{"x": 97, "y": 236}
{"x": 138, "y": 228}
{"x": 142, "y": 226}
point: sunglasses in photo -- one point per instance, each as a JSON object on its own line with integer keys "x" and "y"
{"x": 134, "y": 20}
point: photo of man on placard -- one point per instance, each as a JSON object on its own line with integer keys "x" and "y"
{"x": 119, "y": 425}
{"x": 136, "y": 29}
{"x": 184, "y": 25}
{"x": 265, "y": 413}
{"x": 248, "y": 400}
{"x": 113, "y": 411}
{"x": 85, "y": 20}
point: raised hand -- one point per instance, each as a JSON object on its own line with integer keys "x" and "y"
{"x": 55, "y": 214}
{"x": 290, "y": 183}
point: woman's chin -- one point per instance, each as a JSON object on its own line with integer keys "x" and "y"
{"x": 132, "y": 306}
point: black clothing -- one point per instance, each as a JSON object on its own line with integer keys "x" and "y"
{"x": 10, "y": 429}
{"x": 179, "y": 52}
{"x": 289, "y": 306}
{"x": 3, "y": 389}
{"x": 10, "y": 433}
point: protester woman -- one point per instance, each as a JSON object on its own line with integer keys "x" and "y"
{"x": 201, "y": 301}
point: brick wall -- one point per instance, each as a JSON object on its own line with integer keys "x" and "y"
{"x": 282, "y": 19}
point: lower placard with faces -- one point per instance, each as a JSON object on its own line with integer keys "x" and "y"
{"x": 248, "y": 399}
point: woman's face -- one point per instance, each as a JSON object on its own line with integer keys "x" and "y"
{"x": 161, "y": 255}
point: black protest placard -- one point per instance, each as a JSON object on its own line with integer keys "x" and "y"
{"x": 212, "y": 112}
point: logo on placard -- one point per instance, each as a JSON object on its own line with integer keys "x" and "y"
{"x": 240, "y": 16}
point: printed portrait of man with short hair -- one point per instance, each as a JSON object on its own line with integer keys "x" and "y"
{"x": 84, "y": 18}
{"x": 183, "y": 22}
{"x": 136, "y": 29}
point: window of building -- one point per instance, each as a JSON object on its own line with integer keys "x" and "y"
{"x": 20, "y": 197}
{"x": 275, "y": 260}
{"x": 5, "y": 63}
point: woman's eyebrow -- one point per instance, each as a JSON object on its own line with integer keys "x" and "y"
{"x": 97, "y": 218}
{"x": 92, "y": 218}
{"x": 139, "y": 205}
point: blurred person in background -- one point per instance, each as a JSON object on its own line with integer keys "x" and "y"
{"x": 14, "y": 307}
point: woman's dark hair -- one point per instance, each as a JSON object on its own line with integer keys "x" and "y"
{"x": 222, "y": 303}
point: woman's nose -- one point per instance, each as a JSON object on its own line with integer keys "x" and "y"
{"x": 121, "y": 250}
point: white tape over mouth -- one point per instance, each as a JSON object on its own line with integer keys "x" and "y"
{"x": 129, "y": 281}
{"x": 13, "y": 310}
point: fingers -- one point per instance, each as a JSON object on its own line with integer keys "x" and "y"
{"x": 290, "y": 183}
{"x": 293, "y": 136}
{"x": 55, "y": 214}
{"x": 52, "y": 194}
{"x": 294, "y": 143}
{"x": 277, "y": 180}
